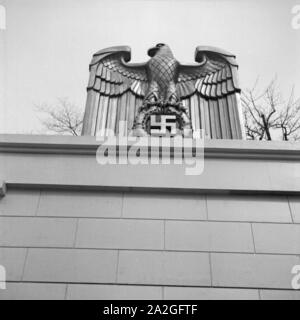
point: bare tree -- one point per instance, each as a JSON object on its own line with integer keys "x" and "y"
{"x": 266, "y": 111}
{"x": 63, "y": 117}
{"x": 289, "y": 119}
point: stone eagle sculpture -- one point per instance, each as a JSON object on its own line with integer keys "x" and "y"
{"x": 202, "y": 95}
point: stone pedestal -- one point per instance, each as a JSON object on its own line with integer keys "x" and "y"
{"x": 71, "y": 228}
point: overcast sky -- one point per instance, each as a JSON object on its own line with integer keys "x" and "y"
{"x": 48, "y": 44}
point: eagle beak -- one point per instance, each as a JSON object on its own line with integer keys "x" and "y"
{"x": 152, "y": 51}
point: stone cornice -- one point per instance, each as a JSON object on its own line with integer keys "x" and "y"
{"x": 236, "y": 166}
{"x": 85, "y": 145}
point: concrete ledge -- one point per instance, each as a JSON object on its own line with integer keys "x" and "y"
{"x": 234, "y": 166}
{"x": 58, "y": 144}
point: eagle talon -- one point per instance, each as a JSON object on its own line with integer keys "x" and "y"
{"x": 173, "y": 104}
{"x": 158, "y": 103}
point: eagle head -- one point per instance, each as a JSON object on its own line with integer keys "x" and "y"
{"x": 160, "y": 48}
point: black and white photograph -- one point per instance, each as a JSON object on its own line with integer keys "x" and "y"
{"x": 149, "y": 152}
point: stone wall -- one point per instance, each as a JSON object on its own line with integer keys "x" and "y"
{"x": 81, "y": 242}
{"x": 94, "y": 244}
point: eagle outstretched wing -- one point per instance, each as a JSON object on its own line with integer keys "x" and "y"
{"x": 210, "y": 91}
{"x": 115, "y": 88}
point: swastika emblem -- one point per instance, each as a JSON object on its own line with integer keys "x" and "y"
{"x": 163, "y": 125}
